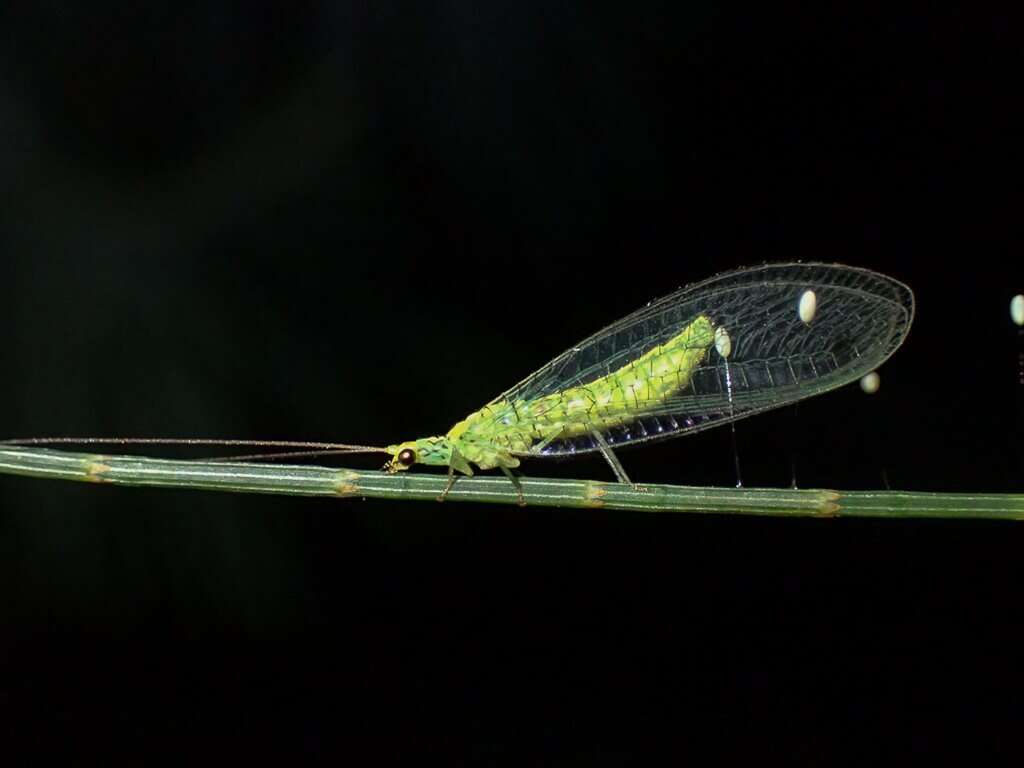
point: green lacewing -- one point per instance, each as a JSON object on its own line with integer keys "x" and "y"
{"x": 711, "y": 353}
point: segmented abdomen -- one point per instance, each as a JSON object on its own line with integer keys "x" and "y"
{"x": 609, "y": 401}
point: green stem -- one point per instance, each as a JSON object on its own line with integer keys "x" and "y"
{"x": 303, "y": 480}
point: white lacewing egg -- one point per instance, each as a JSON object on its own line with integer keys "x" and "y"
{"x": 870, "y": 382}
{"x": 1017, "y": 309}
{"x": 723, "y": 344}
{"x": 808, "y": 306}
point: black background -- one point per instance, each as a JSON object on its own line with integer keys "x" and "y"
{"x": 325, "y": 222}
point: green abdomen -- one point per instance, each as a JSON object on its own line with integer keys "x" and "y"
{"x": 636, "y": 389}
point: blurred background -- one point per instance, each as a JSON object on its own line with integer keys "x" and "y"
{"x": 360, "y": 222}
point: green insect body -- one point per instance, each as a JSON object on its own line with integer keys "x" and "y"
{"x": 493, "y": 436}
{"x": 732, "y": 346}
{"x": 726, "y": 348}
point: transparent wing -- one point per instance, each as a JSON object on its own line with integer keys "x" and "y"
{"x": 775, "y": 359}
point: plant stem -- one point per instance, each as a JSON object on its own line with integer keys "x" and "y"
{"x": 305, "y": 480}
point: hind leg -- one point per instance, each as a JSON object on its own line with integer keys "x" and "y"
{"x": 613, "y": 462}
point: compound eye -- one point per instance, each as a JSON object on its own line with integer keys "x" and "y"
{"x": 407, "y": 457}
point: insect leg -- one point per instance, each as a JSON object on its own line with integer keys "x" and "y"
{"x": 448, "y": 486}
{"x": 515, "y": 482}
{"x": 455, "y": 462}
{"x": 613, "y": 462}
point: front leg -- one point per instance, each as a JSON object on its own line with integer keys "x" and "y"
{"x": 457, "y": 462}
{"x": 448, "y": 486}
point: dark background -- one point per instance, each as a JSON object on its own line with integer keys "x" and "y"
{"x": 333, "y": 222}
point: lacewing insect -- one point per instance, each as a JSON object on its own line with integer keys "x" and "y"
{"x": 711, "y": 353}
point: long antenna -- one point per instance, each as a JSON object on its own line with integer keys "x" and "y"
{"x": 290, "y": 455}
{"x": 338, "y": 447}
